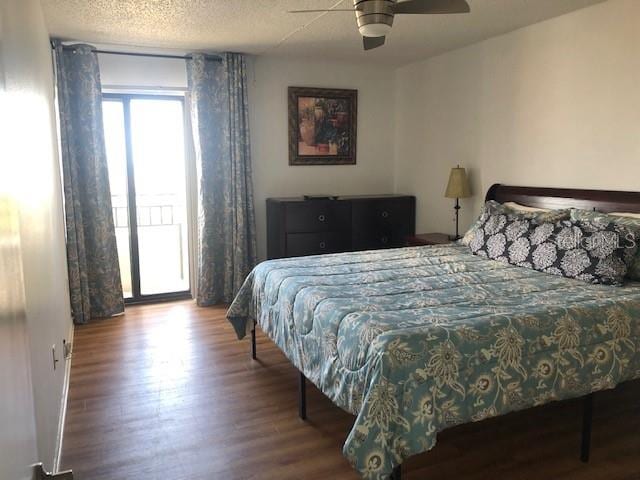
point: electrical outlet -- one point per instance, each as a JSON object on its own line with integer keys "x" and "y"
{"x": 53, "y": 356}
{"x": 67, "y": 349}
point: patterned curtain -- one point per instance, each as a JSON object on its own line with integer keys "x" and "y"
{"x": 94, "y": 273}
{"x": 226, "y": 223}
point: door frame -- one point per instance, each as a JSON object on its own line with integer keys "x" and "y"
{"x": 134, "y": 253}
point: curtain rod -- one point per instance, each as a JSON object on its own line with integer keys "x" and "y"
{"x": 140, "y": 54}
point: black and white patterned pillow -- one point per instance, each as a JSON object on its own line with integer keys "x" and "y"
{"x": 491, "y": 207}
{"x": 590, "y": 251}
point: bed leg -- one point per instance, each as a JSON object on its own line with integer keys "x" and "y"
{"x": 587, "y": 417}
{"x": 302, "y": 397}
{"x": 397, "y": 473}
{"x": 253, "y": 341}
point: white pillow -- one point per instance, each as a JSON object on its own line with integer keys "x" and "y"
{"x": 524, "y": 208}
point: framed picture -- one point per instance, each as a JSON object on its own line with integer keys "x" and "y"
{"x": 322, "y": 126}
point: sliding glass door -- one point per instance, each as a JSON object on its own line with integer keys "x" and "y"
{"x": 144, "y": 136}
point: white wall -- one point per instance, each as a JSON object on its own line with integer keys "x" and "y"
{"x": 554, "y": 104}
{"x": 268, "y": 81}
{"x": 123, "y": 71}
{"x": 272, "y": 175}
{"x": 32, "y": 146}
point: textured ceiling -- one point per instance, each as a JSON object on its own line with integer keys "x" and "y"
{"x": 264, "y": 27}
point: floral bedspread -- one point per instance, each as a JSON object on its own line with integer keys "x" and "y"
{"x": 415, "y": 340}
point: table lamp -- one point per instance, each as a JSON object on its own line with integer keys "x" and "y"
{"x": 458, "y": 188}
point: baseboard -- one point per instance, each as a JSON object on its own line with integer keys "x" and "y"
{"x": 63, "y": 404}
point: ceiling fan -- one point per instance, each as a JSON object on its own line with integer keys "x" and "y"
{"x": 375, "y": 17}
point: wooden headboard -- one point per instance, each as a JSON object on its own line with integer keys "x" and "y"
{"x": 606, "y": 201}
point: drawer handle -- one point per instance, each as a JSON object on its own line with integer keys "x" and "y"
{"x": 323, "y": 245}
{"x": 384, "y": 240}
{"x": 322, "y": 218}
{"x": 385, "y": 214}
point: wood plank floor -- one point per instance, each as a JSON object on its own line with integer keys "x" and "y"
{"x": 167, "y": 392}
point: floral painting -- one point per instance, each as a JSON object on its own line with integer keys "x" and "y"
{"x": 322, "y": 126}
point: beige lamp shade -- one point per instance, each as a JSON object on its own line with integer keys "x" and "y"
{"x": 458, "y": 186}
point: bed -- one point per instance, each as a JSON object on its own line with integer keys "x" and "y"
{"x": 415, "y": 340}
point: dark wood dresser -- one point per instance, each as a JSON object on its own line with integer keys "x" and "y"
{"x": 297, "y": 227}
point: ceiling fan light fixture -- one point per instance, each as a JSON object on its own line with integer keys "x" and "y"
{"x": 375, "y": 17}
{"x": 375, "y": 29}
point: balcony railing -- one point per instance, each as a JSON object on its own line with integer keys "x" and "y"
{"x": 161, "y": 239}
{"x": 148, "y": 212}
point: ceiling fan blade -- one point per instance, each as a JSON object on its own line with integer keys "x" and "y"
{"x": 372, "y": 42}
{"x": 431, "y": 6}
{"x": 326, "y": 10}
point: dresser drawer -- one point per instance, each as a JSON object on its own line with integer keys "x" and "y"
{"x": 317, "y": 216}
{"x": 380, "y": 238}
{"x": 383, "y": 212}
{"x": 300, "y": 244}
{"x": 382, "y": 222}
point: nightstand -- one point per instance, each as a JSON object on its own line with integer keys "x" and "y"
{"x": 428, "y": 239}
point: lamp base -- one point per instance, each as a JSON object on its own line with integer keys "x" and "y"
{"x": 457, "y": 209}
